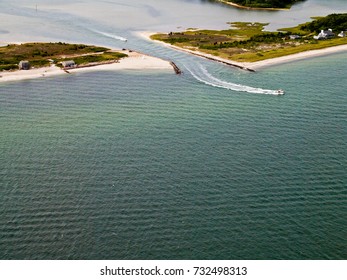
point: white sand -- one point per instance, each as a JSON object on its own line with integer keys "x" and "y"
{"x": 259, "y": 64}
{"x": 134, "y": 61}
{"x": 9, "y": 76}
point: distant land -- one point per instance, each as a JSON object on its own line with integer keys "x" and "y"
{"x": 261, "y": 4}
{"x": 39, "y": 60}
{"x": 44, "y": 54}
{"x": 248, "y": 42}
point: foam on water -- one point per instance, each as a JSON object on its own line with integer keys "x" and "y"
{"x": 109, "y": 35}
{"x": 202, "y": 75}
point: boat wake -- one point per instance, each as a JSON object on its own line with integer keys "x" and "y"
{"x": 202, "y": 75}
{"x": 109, "y": 35}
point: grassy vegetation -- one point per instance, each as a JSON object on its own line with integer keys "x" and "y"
{"x": 204, "y": 38}
{"x": 38, "y": 54}
{"x": 248, "y": 42}
{"x": 282, "y": 51}
{"x": 104, "y": 57}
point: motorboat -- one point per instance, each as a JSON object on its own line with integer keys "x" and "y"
{"x": 280, "y": 92}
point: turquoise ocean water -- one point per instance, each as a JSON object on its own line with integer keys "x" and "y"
{"x": 150, "y": 165}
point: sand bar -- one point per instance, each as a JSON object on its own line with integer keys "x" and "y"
{"x": 134, "y": 61}
{"x": 252, "y": 66}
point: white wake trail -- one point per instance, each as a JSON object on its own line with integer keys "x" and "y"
{"x": 109, "y": 35}
{"x": 205, "y": 77}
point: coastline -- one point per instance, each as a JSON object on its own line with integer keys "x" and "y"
{"x": 252, "y": 66}
{"x": 251, "y": 8}
{"x": 134, "y": 61}
{"x": 146, "y": 35}
{"x": 296, "y": 57}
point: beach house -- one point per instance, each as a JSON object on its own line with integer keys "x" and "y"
{"x": 294, "y": 37}
{"x": 342, "y": 34}
{"x": 324, "y": 34}
{"x": 24, "y": 65}
{"x": 69, "y": 64}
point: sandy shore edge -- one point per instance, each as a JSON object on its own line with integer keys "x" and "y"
{"x": 134, "y": 61}
{"x": 252, "y": 66}
{"x": 297, "y": 57}
{"x": 147, "y": 34}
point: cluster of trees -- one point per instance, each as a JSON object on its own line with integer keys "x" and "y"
{"x": 266, "y": 3}
{"x": 337, "y": 22}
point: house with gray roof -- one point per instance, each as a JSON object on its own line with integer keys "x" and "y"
{"x": 69, "y": 64}
{"x": 325, "y": 34}
{"x": 342, "y": 34}
{"x": 24, "y": 65}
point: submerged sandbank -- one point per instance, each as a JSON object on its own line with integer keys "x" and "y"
{"x": 252, "y": 66}
{"x": 134, "y": 61}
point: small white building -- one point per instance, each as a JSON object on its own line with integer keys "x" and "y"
{"x": 69, "y": 64}
{"x": 24, "y": 65}
{"x": 294, "y": 37}
{"x": 324, "y": 34}
{"x": 342, "y": 34}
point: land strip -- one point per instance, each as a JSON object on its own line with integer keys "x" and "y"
{"x": 103, "y": 59}
{"x": 46, "y": 59}
{"x": 253, "y": 66}
{"x": 270, "y": 5}
{"x": 251, "y": 8}
{"x": 246, "y": 44}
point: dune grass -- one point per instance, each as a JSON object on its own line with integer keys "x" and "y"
{"x": 41, "y": 54}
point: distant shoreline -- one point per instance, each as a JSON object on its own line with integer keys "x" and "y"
{"x": 251, "y": 8}
{"x": 253, "y": 66}
{"x": 134, "y": 61}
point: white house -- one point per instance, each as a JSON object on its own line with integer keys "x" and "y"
{"x": 24, "y": 65}
{"x": 325, "y": 34}
{"x": 294, "y": 37}
{"x": 342, "y": 34}
{"x": 69, "y": 64}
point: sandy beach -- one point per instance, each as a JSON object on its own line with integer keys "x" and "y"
{"x": 296, "y": 57}
{"x": 134, "y": 61}
{"x": 252, "y": 66}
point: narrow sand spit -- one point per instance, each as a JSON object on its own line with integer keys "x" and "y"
{"x": 260, "y": 64}
{"x": 134, "y": 61}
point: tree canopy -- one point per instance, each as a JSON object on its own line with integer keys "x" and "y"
{"x": 266, "y": 3}
{"x": 336, "y": 22}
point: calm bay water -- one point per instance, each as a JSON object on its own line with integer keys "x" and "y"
{"x": 150, "y": 165}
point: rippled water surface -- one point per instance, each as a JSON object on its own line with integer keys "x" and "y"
{"x": 150, "y": 165}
